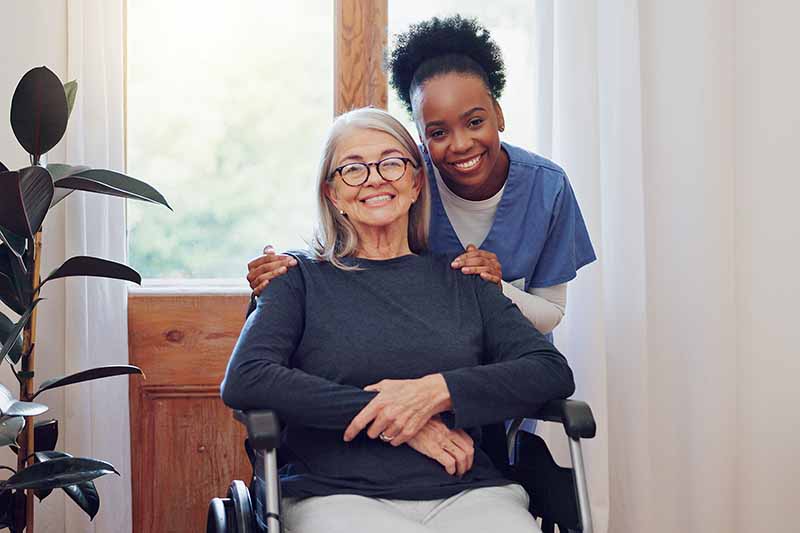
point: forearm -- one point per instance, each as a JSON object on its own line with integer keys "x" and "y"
{"x": 543, "y": 307}
{"x": 518, "y": 388}
{"x": 297, "y": 397}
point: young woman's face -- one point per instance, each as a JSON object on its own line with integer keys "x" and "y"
{"x": 459, "y": 123}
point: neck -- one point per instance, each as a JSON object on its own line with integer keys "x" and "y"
{"x": 383, "y": 242}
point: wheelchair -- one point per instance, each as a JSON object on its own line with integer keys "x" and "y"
{"x": 559, "y": 496}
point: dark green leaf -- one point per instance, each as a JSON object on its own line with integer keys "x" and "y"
{"x": 39, "y": 111}
{"x": 9, "y": 406}
{"x": 95, "y": 267}
{"x": 58, "y": 171}
{"x": 84, "y": 494}
{"x": 10, "y": 426}
{"x": 25, "y": 197}
{"x": 45, "y": 436}
{"x": 18, "y": 327}
{"x": 6, "y": 327}
{"x": 19, "y": 284}
{"x": 113, "y": 184}
{"x": 61, "y": 170}
{"x": 9, "y": 294}
{"x": 71, "y": 91}
{"x": 12, "y": 210}
{"x": 7, "y": 510}
{"x": 88, "y": 375}
{"x": 60, "y": 472}
{"x": 14, "y": 242}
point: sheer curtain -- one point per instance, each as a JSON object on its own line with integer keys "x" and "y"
{"x": 96, "y": 421}
{"x": 633, "y": 100}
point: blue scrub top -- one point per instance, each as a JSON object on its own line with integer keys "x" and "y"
{"x": 538, "y": 233}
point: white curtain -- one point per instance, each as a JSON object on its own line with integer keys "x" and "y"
{"x": 638, "y": 119}
{"x": 96, "y": 421}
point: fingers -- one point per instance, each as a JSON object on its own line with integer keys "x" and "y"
{"x": 361, "y": 420}
{"x": 447, "y": 461}
{"x": 380, "y": 425}
{"x": 267, "y": 267}
{"x": 492, "y": 278}
{"x": 465, "y": 443}
{"x": 476, "y": 258}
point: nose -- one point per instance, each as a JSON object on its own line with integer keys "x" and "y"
{"x": 462, "y": 141}
{"x": 374, "y": 179}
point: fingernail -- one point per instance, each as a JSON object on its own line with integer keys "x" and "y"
{"x": 293, "y": 261}
{"x": 268, "y": 248}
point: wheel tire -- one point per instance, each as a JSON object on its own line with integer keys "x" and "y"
{"x": 244, "y": 517}
{"x": 221, "y": 516}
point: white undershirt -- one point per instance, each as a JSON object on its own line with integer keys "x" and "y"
{"x": 472, "y": 220}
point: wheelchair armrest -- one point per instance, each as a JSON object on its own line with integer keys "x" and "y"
{"x": 576, "y": 416}
{"x": 263, "y": 428}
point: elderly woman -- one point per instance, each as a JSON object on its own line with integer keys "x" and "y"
{"x": 384, "y": 362}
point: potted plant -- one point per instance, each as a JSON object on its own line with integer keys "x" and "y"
{"x": 40, "y": 110}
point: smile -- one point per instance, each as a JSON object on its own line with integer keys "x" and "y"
{"x": 469, "y": 164}
{"x": 380, "y": 199}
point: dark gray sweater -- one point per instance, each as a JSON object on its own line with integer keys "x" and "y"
{"x": 320, "y": 334}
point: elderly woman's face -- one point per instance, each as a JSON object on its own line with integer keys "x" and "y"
{"x": 376, "y": 202}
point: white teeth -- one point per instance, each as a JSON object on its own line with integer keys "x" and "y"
{"x": 466, "y": 165}
{"x": 376, "y": 199}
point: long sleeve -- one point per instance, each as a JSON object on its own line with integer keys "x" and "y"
{"x": 521, "y": 369}
{"x": 544, "y": 306}
{"x": 260, "y": 374}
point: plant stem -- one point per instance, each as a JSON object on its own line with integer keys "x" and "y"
{"x": 24, "y": 511}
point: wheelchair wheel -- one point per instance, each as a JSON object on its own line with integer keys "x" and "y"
{"x": 233, "y": 514}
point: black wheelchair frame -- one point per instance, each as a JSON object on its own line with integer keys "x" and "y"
{"x": 559, "y": 496}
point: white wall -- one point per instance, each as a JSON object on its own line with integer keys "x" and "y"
{"x": 34, "y": 33}
{"x": 768, "y": 262}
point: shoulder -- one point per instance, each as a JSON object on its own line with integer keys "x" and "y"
{"x": 535, "y": 166}
{"x": 295, "y": 279}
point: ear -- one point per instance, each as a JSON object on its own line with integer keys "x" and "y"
{"x": 330, "y": 193}
{"x": 501, "y": 120}
{"x": 418, "y": 182}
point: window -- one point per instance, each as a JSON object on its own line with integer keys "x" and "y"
{"x": 228, "y": 103}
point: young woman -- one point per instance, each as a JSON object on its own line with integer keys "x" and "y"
{"x": 508, "y": 214}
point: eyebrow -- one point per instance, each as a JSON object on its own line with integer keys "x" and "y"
{"x": 357, "y": 157}
{"x": 462, "y": 115}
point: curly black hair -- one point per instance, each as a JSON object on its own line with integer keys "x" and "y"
{"x": 443, "y": 45}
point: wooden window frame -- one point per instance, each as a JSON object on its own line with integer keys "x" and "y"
{"x": 181, "y": 334}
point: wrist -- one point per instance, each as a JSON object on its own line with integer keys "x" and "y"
{"x": 440, "y": 395}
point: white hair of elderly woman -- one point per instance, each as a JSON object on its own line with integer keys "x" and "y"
{"x": 335, "y": 237}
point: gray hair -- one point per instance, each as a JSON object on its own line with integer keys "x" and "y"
{"x": 335, "y": 236}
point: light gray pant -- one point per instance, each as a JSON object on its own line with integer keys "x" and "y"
{"x": 502, "y": 509}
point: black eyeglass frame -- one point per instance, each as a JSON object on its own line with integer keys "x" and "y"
{"x": 377, "y": 165}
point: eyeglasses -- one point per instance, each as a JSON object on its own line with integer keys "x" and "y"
{"x": 357, "y": 174}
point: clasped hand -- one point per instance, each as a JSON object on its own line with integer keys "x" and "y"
{"x": 407, "y": 411}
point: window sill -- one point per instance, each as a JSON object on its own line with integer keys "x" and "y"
{"x": 190, "y": 287}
